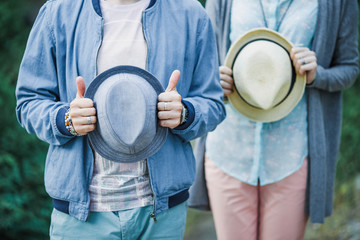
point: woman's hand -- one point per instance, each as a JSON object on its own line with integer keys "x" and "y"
{"x": 226, "y": 80}
{"x": 305, "y": 62}
{"x": 82, "y": 111}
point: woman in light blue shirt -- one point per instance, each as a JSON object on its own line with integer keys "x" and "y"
{"x": 269, "y": 151}
{"x": 257, "y": 173}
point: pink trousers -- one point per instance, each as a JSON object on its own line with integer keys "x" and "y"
{"x": 272, "y": 212}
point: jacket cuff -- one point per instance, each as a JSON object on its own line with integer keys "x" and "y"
{"x": 60, "y": 205}
{"x": 178, "y": 198}
{"x": 191, "y": 116}
{"x": 317, "y": 81}
{"x": 60, "y": 121}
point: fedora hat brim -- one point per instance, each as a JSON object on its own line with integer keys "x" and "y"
{"x": 97, "y": 140}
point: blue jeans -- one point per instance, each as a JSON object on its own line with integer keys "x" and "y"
{"x": 127, "y": 224}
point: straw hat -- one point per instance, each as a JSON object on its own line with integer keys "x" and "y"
{"x": 127, "y": 128}
{"x": 266, "y": 86}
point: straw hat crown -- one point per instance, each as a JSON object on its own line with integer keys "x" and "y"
{"x": 266, "y": 86}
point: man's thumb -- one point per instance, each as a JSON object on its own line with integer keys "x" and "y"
{"x": 173, "y": 81}
{"x": 80, "y": 84}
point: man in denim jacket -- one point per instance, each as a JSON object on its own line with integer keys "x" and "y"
{"x": 84, "y": 38}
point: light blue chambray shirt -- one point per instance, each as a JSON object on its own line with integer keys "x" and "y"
{"x": 265, "y": 152}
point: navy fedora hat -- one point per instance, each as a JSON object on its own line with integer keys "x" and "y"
{"x": 127, "y": 129}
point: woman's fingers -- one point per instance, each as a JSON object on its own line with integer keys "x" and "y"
{"x": 226, "y": 80}
{"x": 225, "y": 70}
{"x": 305, "y": 62}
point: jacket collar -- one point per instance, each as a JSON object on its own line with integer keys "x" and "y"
{"x": 97, "y": 9}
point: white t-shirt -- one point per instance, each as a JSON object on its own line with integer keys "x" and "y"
{"x": 119, "y": 186}
{"x": 123, "y": 38}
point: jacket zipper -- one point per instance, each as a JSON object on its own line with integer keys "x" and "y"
{"x": 152, "y": 215}
{"x": 98, "y": 50}
{"x": 88, "y": 140}
{"x": 146, "y": 41}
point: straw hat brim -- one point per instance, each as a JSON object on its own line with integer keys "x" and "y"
{"x": 288, "y": 104}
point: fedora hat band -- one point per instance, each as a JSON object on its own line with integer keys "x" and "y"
{"x": 292, "y": 80}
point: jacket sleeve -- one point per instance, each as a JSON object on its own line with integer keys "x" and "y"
{"x": 212, "y": 9}
{"x": 37, "y": 91}
{"x": 344, "y": 68}
{"x": 205, "y": 94}
{"x": 219, "y": 13}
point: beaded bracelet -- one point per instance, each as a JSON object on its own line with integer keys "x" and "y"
{"x": 68, "y": 124}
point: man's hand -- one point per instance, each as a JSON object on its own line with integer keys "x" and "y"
{"x": 169, "y": 104}
{"x": 82, "y": 111}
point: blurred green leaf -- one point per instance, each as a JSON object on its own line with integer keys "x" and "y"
{"x": 25, "y": 208}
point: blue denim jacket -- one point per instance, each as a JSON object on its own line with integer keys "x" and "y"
{"x": 64, "y": 44}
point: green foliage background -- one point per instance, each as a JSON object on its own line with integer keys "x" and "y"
{"x": 25, "y": 208}
{"x": 24, "y": 205}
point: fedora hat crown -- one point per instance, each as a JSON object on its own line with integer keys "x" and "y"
{"x": 126, "y": 121}
{"x": 127, "y": 129}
